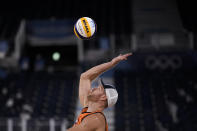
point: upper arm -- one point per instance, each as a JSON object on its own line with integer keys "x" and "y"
{"x": 84, "y": 88}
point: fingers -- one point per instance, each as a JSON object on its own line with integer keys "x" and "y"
{"x": 123, "y": 57}
{"x": 127, "y": 55}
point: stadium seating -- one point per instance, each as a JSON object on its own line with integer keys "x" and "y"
{"x": 148, "y": 95}
{"x": 48, "y": 95}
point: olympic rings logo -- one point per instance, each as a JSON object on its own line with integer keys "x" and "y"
{"x": 163, "y": 62}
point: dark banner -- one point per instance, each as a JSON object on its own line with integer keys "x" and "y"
{"x": 50, "y": 31}
{"x": 161, "y": 61}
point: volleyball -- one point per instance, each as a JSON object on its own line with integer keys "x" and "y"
{"x": 85, "y": 28}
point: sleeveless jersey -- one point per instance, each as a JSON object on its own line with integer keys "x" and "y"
{"x": 84, "y": 114}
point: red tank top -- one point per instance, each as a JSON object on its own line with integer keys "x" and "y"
{"x": 84, "y": 114}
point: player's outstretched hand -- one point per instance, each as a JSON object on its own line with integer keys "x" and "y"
{"x": 120, "y": 58}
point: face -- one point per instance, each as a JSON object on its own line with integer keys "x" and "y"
{"x": 97, "y": 93}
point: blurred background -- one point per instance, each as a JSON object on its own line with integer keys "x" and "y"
{"x": 41, "y": 61}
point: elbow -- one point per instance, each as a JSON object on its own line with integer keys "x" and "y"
{"x": 84, "y": 76}
{"x": 88, "y": 75}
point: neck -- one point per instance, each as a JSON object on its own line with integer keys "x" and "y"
{"x": 92, "y": 107}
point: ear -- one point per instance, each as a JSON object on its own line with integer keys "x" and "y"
{"x": 103, "y": 97}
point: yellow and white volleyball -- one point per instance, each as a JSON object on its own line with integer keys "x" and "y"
{"x": 85, "y": 28}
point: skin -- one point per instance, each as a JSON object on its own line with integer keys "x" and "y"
{"x": 94, "y": 98}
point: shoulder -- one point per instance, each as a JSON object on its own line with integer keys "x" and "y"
{"x": 99, "y": 115}
{"x": 95, "y": 120}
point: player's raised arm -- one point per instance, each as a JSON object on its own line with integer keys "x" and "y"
{"x": 87, "y": 77}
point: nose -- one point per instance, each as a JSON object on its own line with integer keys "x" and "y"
{"x": 101, "y": 87}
